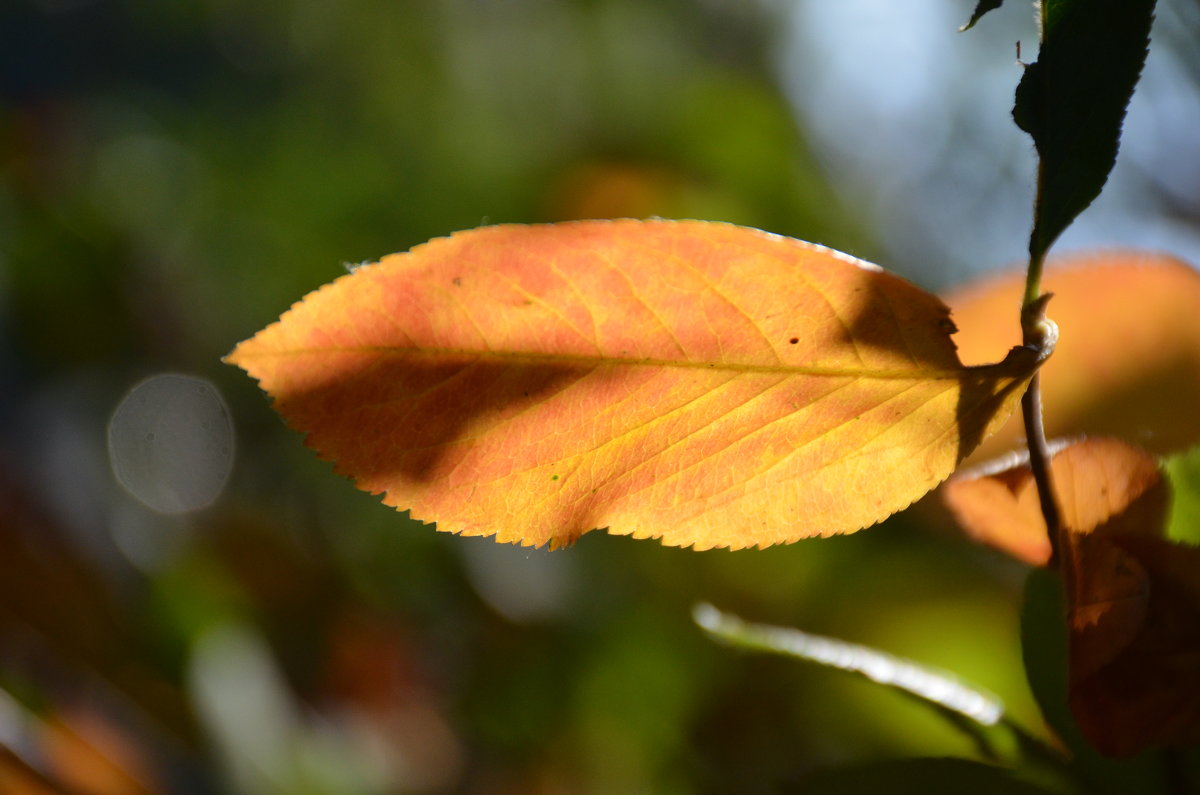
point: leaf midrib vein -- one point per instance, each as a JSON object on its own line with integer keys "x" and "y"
{"x": 581, "y": 360}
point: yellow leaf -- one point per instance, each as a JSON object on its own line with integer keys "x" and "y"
{"x": 702, "y": 383}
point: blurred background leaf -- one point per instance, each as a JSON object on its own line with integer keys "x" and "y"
{"x": 1183, "y": 522}
{"x": 173, "y": 175}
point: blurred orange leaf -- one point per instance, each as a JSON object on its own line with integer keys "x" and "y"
{"x": 18, "y": 777}
{"x": 703, "y": 383}
{"x": 94, "y": 756}
{"x": 997, "y": 504}
{"x": 1133, "y": 598}
{"x": 614, "y": 190}
{"x": 1127, "y": 363}
{"x": 1096, "y": 481}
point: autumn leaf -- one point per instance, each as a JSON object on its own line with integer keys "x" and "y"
{"x": 1127, "y": 363}
{"x": 996, "y": 503}
{"x": 1096, "y": 481}
{"x": 1133, "y": 597}
{"x": 702, "y": 383}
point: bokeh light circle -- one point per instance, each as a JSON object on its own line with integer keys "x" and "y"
{"x": 171, "y": 443}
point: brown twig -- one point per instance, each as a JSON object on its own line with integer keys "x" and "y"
{"x": 1041, "y": 333}
{"x": 1039, "y": 462}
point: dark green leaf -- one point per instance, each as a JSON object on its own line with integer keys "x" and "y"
{"x": 1044, "y": 648}
{"x": 1073, "y": 100}
{"x": 915, "y": 777}
{"x": 1051, "y": 12}
{"x": 982, "y": 8}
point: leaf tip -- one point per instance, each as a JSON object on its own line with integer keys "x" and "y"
{"x": 982, "y": 8}
{"x": 233, "y": 357}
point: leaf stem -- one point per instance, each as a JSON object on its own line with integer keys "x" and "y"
{"x": 1040, "y": 332}
{"x": 1033, "y": 274}
{"x": 1039, "y": 463}
{"x": 1037, "y": 330}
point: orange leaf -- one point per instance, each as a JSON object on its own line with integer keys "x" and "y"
{"x": 708, "y": 384}
{"x": 1127, "y": 363}
{"x": 1096, "y": 481}
{"x": 1133, "y": 598}
{"x": 997, "y": 504}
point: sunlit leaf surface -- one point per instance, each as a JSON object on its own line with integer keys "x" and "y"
{"x": 706, "y": 384}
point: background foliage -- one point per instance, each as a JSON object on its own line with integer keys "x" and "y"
{"x": 173, "y": 175}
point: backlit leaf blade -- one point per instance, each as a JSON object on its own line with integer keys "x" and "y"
{"x": 997, "y": 504}
{"x": 1098, "y": 482}
{"x": 706, "y": 384}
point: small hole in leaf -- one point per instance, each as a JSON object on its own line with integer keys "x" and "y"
{"x": 794, "y": 340}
